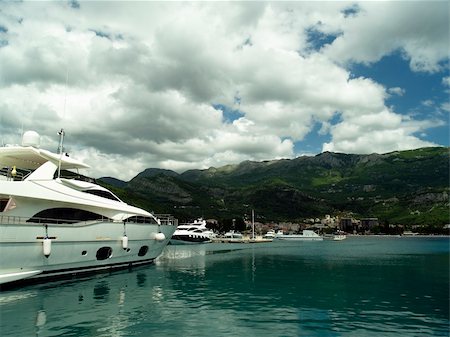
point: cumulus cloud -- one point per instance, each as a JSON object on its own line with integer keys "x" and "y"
{"x": 446, "y": 107}
{"x": 397, "y": 91}
{"x": 420, "y": 31}
{"x": 141, "y": 84}
{"x": 379, "y": 132}
{"x": 446, "y": 81}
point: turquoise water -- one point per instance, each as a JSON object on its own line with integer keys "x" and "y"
{"x": 363, "y": 286}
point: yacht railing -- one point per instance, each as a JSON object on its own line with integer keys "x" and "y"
{"x": 22, "y": 174}
{"x": 7, "y": 172}
{"x": 165, "y": 219}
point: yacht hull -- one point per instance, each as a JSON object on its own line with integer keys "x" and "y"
{"x": 298, "y": 238}
{"x": 308, "y": 235}
{"x": 188, "y": 240}
{"x": 31, "y": 250}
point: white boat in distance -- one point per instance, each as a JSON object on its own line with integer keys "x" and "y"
{"x": 233, "y": 235}
{"x": 269, "y": 235}
{"x": 192, "y": 233}
{"x": 338, "y": 236}
{"x": 55, "y": 222}
{"x": 307, "y": 235}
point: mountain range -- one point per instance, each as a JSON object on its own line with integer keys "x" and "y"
{"x": 402, "y": 187}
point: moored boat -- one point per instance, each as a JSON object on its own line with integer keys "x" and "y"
{"x": 54, "y": 221}
{"x": 338, "y": 236}
{"x": 233, "y": 235}
{"x": 269, "y": 235}
{"x": 192, "y": 233}
{"x": 307, "y": 235}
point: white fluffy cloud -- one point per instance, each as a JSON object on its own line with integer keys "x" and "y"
{"x": 137, "y": 85}
{"x": 377, "y": 132}
{"x": 419, "y": 30}
{"x": 397, "y": 91}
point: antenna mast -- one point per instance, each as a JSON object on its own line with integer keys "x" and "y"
{"x": 61, "y": 140}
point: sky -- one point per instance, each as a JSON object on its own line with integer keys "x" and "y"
{"x": 193, "y": 85}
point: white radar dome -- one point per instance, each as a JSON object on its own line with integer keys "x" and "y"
{"x": 31, "y": 138}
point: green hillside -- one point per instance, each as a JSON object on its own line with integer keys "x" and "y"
{"x": 405, "y": 187}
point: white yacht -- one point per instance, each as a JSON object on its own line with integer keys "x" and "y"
{"x": 233, "y": 235}
{"x": 269, "y": 235}
{"x": 54, "y": 221}
{"x": 338, "y": 236}
{"x": 307, "y": 235}
{"x": 194, "y": 232}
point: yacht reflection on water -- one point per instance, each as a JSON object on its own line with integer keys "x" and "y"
{"x": 82, "y": 306}
{"x": 104, "y": 302}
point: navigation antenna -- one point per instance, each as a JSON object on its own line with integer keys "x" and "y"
{"x": 61, "y": 140}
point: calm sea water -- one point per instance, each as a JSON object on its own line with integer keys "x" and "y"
{"x": 363, "y": 286}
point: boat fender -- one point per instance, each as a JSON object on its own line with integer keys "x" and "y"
{"x": 41, "y": 318}
{"x": 125, "y": 242}
{"x": 47, "y": 247}
{"x": 159, "y": 236}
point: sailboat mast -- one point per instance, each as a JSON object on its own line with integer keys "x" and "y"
{"x": 253, "y": 224}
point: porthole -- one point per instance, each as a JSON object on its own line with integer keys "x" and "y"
{"x": 143, "y": 250}
{"x": 104, "y": 253}
{"x": 84, "y": 253}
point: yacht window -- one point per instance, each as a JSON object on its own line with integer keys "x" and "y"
{"x": 103, "y": 194}
{"x": 64, "y": 215}
{"x": 74, "y": 175}
{"x": 7, "y": 204}
{"x": 140, "y": 219}
{"x": 3, "y": 204}
{"x": 143, "y": 251}
{"x": 104, "y": 253}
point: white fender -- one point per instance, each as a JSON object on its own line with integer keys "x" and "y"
{"x": 125, "y": 242}
{"x": 41, "y": 318}
{"x": 159, "y": 236}
{"x": 47, "y": 247}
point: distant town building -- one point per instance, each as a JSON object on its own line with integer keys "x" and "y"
{"x": 369, "y": 223}
{"x": 328, "y": 221}
{"x": 346, "y": 224}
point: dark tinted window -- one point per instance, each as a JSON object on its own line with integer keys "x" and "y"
{"x": 143, "y": 251}
{"x": 140, "y": 219}
{"x": 3, "y": 203}
{"x": 64, "y": 215}
{"x": 103, "y": 194}
{"x": 104, "y": 253}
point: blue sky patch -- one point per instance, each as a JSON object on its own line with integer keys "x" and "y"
{"x": 74, "y": 4}
{"x": 318, "y": 39}
{"x": 99, "y": 33}
{"x": 229, "y": 115}
{"x": 422, "y": 92}
{"x": 351, "y": 10}
{"x": 314, "y": 140}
